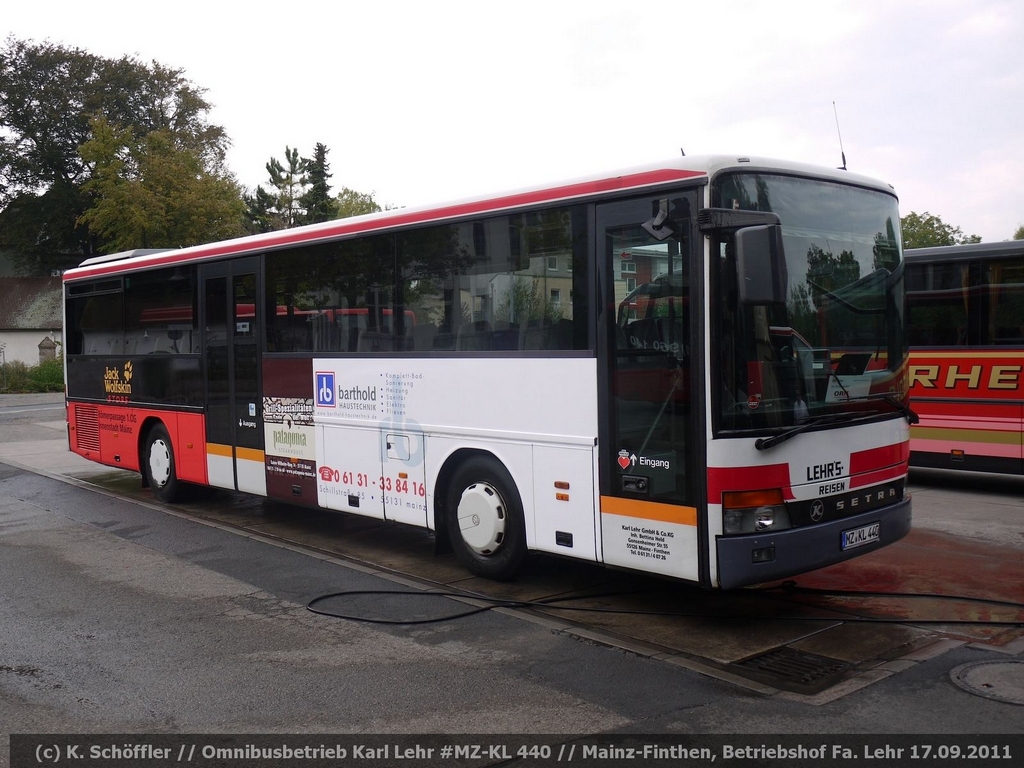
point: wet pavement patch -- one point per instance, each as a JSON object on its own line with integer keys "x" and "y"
{"x": 20, "y": 671}
{"x": 836, "y": 624}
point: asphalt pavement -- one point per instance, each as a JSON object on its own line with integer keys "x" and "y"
{"x": 117, "y": 616}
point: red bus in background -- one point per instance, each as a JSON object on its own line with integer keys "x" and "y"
{"x": 965, "y": 320}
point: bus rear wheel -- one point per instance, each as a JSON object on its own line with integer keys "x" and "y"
{"x": 486, "y": 525}
{"x": 158, "y": 464}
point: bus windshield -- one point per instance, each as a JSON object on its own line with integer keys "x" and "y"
{"x": 837, "y": 346}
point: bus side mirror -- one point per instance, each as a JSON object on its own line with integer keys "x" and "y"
{"x": 761, "y": 265}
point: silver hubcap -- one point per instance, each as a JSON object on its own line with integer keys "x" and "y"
{"x": 482, "y": 518}
{"x": 160, "y": 463}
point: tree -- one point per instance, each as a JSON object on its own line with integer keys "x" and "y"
{"x": 352, "y": 203}
{"x": 42, "y": 230}
{"x": 317, "y": 202}
{"x": 290, "y": 183}
{"x": 524, "y": 300}
{"x": 48, "y": 95}
{"x": 827, "y": 273}
{"x": 1019, "y": 234}
{"x": 260, "y": 212}
{"x": 156, "y": 191}
{"x": 288, "y": 205}
{"x": 926, "y": 230}
{"x": 43, "y": 95}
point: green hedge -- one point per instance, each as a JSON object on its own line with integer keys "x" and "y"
{"x": 45, "y": 377}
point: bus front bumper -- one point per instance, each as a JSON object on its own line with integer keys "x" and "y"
{"x": 743, "y": 560}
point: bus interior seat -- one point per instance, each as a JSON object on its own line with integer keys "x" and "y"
{"x": 376, "y": 341}
{"x": 535, "y": 334}
{"x": 444, "y": 340}
{"x": 561, "y": 334}
{"x": 296, "y": 336}
{"x": 147, "y": 344}
{"x": 423, "y": 336}
{"x": 474, "y": 336}
{"x": 506, "y": 335}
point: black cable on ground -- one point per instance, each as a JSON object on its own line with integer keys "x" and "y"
{"x": 405, "y": 593}
{"x": 554, "y": 604}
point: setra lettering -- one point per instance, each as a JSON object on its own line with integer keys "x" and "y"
{"x": 867, "y": 498}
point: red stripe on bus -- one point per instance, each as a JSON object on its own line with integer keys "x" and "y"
{"x": 967, "y": 411}
{"x": 878, "y": 476}
{"x": 456, "y": 210}
{"x": 722, "y": 479}
{"x": 875, "y": 459}
{"x": 866, "y": 468}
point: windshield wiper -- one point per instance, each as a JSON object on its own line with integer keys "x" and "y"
{"x": 764, "y": 443}
{"x": 892, "y": 399}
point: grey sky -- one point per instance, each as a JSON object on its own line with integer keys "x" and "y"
{"x": 428, "y": 101}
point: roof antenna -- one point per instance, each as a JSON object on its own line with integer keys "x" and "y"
{"x": 681, "y": 152}
{"x": 841, "y": 152}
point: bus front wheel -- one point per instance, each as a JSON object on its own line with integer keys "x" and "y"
{"x": 485, "y": 519}
{"x": 158, "y": 464}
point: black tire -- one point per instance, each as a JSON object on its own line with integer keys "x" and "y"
{"x": 159, "y": 466}
{"x": 485, "y": 519}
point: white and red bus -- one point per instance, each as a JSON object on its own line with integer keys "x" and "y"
{"x": 965, "y": 308}
{"x": 695, "y": 369}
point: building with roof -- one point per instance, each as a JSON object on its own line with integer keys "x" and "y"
{"x": 31, "y": 319}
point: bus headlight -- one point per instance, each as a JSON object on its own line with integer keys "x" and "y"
{"x": 754, "y": 512}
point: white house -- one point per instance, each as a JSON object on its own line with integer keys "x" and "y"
{"x": 31, "y": 321}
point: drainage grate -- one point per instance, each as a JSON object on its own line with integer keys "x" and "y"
{"x": 793, "y": 670}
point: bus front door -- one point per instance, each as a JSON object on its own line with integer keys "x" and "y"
{"x": 231, "y": 354}
{"x": 648, "y": 512}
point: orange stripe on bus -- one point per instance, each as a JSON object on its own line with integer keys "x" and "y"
{"x": 997, "y": 436}
{"x": 250, "y": 454}
{"x": 649, "y": 510}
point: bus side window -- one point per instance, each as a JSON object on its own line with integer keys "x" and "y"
{"x": 475, "y": 336}
{"x": 423, "y": 337}
{"x": 498, "y": 284}
{"x": 295, "y": 336}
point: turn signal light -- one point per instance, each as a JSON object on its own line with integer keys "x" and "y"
{"x": 754, "y": 512}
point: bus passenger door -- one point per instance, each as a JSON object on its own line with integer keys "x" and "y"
{"x": 234, "y": 415}
{"x": 647, "y": 459}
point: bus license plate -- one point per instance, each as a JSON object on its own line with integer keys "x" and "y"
{"x": 858, "y": 537}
